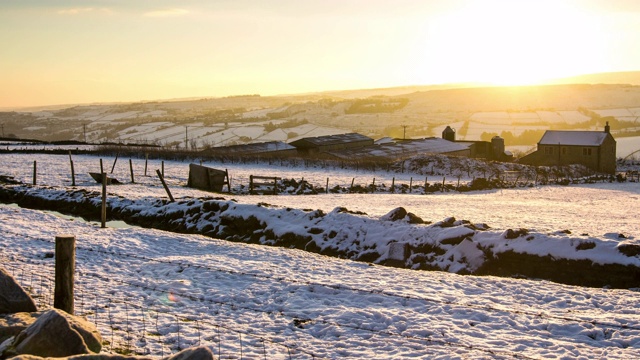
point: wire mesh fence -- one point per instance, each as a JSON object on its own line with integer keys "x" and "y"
{"x": 130, "y": 328}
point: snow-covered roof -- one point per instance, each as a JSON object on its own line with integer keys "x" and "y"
{"x": 254, "y": 148}
{"x": 577, "y": 138}
{"x": 331, "y": 140}
{"x": 403, "y": 149}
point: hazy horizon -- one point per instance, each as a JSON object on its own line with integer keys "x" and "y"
{"x": 80, "y": 52}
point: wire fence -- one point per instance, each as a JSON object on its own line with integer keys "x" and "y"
{"x": 131, "y": 327}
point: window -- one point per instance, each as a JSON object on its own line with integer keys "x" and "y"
{"x": 548, "y": 150}
{"x": 563, "y": 150}
{"x": 586, "y": 151}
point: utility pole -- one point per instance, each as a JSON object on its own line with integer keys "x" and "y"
{"x": 404, "y": 132}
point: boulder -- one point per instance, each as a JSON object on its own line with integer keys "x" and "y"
{"x": 14, "y": 324}
{"x": 58, "y": 334}
{"x": 395, "y": 214}
{"x": 13, "y": 298}
{"x": 197, "y": 353}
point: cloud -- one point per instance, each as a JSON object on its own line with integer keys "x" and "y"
{"x": 166, "y": 13}
{"x": 77, "y": 11}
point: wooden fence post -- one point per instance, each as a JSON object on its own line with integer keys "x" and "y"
{"x": 35, "y": 167}
{"x": 393, "y": 184}
{"x": 65, "y": 267}
{"x": 101, "y": 167}
{"x": 114, "y": 163}
{"x": 250, "y": 184}
{"x": 103, "y": 210}
{"x": 327, "y": 185}
{"x": 166, "y": 188}
{"x": 410, "y": 183}
{"x": 426, "y": 183}
{"x": 351, "y": 188}
{"x": 146, "y": 160}
{"x": 133, "y": 181}
{"x": 73, "y": 173}
{"x": 162, "y": 169}
{"x": 443, "y": 184}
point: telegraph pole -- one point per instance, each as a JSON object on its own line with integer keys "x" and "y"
{"x": 404, "y": 132}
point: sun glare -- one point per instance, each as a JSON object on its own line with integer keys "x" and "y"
{"x": 515, "y": 43}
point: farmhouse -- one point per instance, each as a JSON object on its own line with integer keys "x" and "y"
{"x": 593, "y": 149}
{"x": 322, "y": 144}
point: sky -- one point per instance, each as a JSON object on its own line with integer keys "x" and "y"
{"x": 67, "y": 52}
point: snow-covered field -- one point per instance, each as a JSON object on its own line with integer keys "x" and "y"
{"x": 155, "y": 292}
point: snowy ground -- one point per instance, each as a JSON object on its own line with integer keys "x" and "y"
{"x": 155, "y": 292}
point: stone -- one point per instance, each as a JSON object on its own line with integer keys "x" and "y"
{"x": 395, "y": 214}
{"x": 514, "y": 234}
{"x": 58, "y": 334}
{"x": 13, "y": 298}
{"x": 14, "y": 324}
{"x": 398, "y": 252}
{"x": 197, "y": 353}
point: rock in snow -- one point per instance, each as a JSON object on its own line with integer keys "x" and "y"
{"x": 58, "y": 334}
{"x": 13, "y": 298}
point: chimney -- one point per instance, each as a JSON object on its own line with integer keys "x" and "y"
{"x": 607, "y": 128}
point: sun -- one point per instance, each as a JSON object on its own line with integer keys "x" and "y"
{"x": 514, "y": 42}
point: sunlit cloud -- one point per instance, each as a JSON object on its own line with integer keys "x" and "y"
{"x": 166, "y": 13}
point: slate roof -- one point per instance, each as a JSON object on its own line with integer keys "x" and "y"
{"x": 331, "y": 140}
{"x": 402, "y": 149}
{"x": 255, "y": 148}
{"x": 575, "y": 138}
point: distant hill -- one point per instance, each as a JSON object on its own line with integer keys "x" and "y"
{"x": 626, "y": 77}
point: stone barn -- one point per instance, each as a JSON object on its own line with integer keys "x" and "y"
{"x": 593, "y": 149}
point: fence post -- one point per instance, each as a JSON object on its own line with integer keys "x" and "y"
{"x": 327, "y": 185}
{"x": 351, "y": 188}
{"x": 146, "y": 161}
{"x": 393, "y": 184}
{"x": 443, "y": 184}
{"x": 131, "y": 168}
{"x": 35, "y": 166}
{"x": 65, "y": 266}
{"x": 250, "y": 184}
{"x": 410, "y": 184}
{"x": 73, "y": 173}
{"x": 114, "y": 163}
{"x": 103, "y": 211}
{"x": 162, "y": 169}
{"x": 166, "y": 188}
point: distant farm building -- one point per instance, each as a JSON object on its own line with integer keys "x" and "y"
{"x": 593, "y": 149}
{"x": 321, "y": 144}
{"x": 494, "y": 150}
{"x": 266, "y": 148}
{"x": 402, "y": 149}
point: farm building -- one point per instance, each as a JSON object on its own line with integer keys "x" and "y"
{"x": 265, "y": 148}
{"x": 494, "y": 150}
{"x": 593, "y": 149}
{"x": 322, "y": 144}
{"x": 403, "y": 149}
